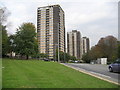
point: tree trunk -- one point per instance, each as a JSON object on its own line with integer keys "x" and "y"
{"x": 27, "y": 57}
{"x": 20, "y": 57}
{"x": 10, "y": 54}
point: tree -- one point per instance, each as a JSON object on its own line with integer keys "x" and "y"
{"x": 105, "y": 48}
{"x": 11, "y": 44}
{"x": 96, "y": 52}
{"x": 61, "y": 55}
{"x": 64, "y": 57}
{"x": 67, "y": 57}
{"x": 109, "y": 47}
{"x": 73, "y": 58}
{"x": 4, "y": 36}
{"x": 4, "y": 41}
{"x": 43, "y": 55}
{"x": 4, "y": 13}
{"x": 40, "y": 55}
{"x": 25, "y": 40}
{"x": 86, "y": 57}
{"x": 118, "y": 54}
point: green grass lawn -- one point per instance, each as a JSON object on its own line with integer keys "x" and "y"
{"x": 41, "y": 74}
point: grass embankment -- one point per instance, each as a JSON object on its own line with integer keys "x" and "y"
{"x": 40, "y": 74}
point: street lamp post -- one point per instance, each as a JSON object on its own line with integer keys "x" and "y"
{"x": 48, "y": 44}
{"x": 58, "y": 44}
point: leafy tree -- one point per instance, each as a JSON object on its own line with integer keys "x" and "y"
{"x": 109, "y": 47}
{"x": 43, "y": 55}
{"x": 25, "y": 40}
{"x": 118, "y": 49}
{"x": 96, "y": 52}
{"x": 4, "y": 41}
{"x": 73, "y": 58}
{"x": 11, "y": 43}
{"x": 105, "y": 48}
{"x": 86, "y": 58}
{"x": 67, "y": 57}
{"x": 61, "y": 55}
{"x": 40, "y": 55}
{"x": 64, "y": 57}
{"x": 4, "y": 36}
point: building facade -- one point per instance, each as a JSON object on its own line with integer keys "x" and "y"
{"x": 51, "y": 30}
{"x": 73, "y": 43}
{"x": 85, "y": 45}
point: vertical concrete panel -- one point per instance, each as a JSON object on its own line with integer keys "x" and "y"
{"x": 1, "y": 11}
{"x": 119, "y": 20}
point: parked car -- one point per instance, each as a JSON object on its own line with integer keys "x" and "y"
{"x": 115, "y": 66}
{"x": 71, "y": 61}
{"x": 76, "y": 61}
{"x": 45, "y": 59}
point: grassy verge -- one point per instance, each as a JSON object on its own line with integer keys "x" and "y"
{"x": 40, "y": 74}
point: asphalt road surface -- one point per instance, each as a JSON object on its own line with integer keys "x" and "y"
{"x": 97, "y": 69}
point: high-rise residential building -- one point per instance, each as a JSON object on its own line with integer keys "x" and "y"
{"x": 85, "y": 46}
{"x": 51, "y": 29}
{"x": 73, "y": 43}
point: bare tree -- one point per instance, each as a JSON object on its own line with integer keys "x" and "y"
{"x": 4, "y": 13}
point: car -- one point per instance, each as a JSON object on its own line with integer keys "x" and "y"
{"x": 71, "y": 61}
{"x": 45, "y": 59}
{"x": 76, "y": 61}
{"x": 115, "y": 66}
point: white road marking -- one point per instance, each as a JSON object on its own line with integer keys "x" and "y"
{"x": 100, "y": 74}
{"x": 94, "y": 73}
{"x": 80, "y": 64}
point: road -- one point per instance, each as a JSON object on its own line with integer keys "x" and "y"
{"x": 96, "y": 69}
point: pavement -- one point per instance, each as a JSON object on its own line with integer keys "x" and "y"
{"x": 96, "y": 70}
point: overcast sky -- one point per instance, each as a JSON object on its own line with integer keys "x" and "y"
{"x": 93, "y": 18}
